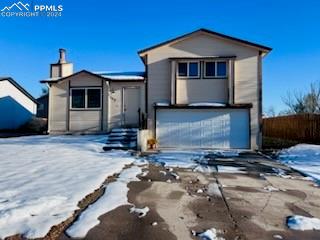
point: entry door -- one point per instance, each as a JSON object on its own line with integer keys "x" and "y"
{"x": 131, "y": 105}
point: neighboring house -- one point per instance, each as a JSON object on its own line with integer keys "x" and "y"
{"x": 17, "y": 106}
{"x": 200, "y": 90}
{"x": 43, "y": 106}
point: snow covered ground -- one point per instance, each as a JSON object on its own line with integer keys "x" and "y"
{"x": 302, "y": 223}
{"x": 114, "y": 196}
{"x": 42, "y": 179}
{"x": 304, "y": 158}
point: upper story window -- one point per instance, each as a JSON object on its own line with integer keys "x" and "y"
{"x": 85, "y": 98}
{"x": 215, "y": 69}
{"x": 189, "y": 69}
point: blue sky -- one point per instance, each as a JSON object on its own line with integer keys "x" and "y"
{"x": 105, "y": 35}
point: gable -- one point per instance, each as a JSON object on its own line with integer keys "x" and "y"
{"x": 17, "y": 87}
{"x": 83, "y": 74}
{"x": 202, "y": 44}
{"x": 216, "y": 35}
{"x": 85, "y": 79}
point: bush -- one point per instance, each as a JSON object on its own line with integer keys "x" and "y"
{"x": 35, "y": 125}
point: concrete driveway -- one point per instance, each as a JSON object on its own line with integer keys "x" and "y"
{"x": 253, "y": 204}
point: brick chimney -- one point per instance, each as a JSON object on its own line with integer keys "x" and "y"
{"x": 62, "y": 68}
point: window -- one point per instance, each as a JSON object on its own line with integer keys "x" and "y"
{"x": 78, "y": 98}
{"x": 210, "y": 69}
{"x": 188, "y": 69}
{"x": 183, "y": 69}
{"x": 84, "y": 98}
{"x": 215, "y": 69}
{"x": 193, "y": 69}
{"x": 94, "y": 98}
{"x": 221, "y": 69}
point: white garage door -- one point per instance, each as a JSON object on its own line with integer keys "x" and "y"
{"x": 202, "y": 128}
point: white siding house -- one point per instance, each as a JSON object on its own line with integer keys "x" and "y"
{"x": 199, "y": 90}
{"x": 17, "y": 106}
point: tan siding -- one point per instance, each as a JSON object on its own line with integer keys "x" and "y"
{"x": 80, "y": 121}
{"x": 58, "y": 107}
{"x": 105, "y": 105}
{"x": 84, "y": 79}
{"x": 245, "y": 69}
{"x": 246, "y": 91}
{"x": 201, "y": 90}
{"x": 85, "y": 121}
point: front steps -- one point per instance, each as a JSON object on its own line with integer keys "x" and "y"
{"x": 122, "y": 138}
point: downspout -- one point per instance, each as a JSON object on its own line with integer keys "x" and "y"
{"x": 260, "y": 99}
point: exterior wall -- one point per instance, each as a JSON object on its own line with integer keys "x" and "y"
{"x": 201, "y": 90}
{"x": 116, "y": 98}
{"x": 61, "y": 70}
{"x": 87, "y": 120}
{"x": 16, "y": 107}
{"x": 58, "y": 107}
{"x": 43, "y": 106}
{"x": 201, "y": 45}
{"x": 63, "y": 119}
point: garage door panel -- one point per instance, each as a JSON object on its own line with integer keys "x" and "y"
{"x": 203, "y": 128}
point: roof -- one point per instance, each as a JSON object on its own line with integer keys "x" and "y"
{"x": 107, "y": 75}
{"x": 245, "y": 42}
{"x": 122, "y": 75}
{"x": 21, "y": 89}
{"x": 58, "y": 79}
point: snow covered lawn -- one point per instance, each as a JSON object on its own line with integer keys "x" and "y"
{"x": 42, "y": 178}
{"x": 304, "y": 158}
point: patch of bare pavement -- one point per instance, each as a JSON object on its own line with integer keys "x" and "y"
{"x": 253, "y": 204}
{"x": 183, "y": 203}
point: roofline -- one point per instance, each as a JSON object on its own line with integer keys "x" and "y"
{"x": 259, "y": 46}
{"x": 93, "y": 74}
{"x": 202, "y": 57}
{"x": 19, "y": 87}
{"x": 72, "y": 75}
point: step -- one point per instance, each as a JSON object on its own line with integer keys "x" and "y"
{"x": 122, "y": 139}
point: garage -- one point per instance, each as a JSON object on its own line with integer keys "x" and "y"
{"x": 223, "y": 128}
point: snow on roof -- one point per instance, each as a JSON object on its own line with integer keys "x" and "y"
{"x": 112, "y": 75}
{"x": 108, "y": 75}
{"x": 52, "y": 79}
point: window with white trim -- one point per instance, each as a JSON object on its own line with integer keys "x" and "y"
{"x": 189, "y": 69}
{"x": 85, "y": 98}
{"x": 215, "y": 69}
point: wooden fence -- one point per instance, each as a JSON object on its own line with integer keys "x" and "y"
{"x": 301, "y": 127}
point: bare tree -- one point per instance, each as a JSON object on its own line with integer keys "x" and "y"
{"x": 44, "y": 91}
{"x": 304, "y": 102}
{"x": 270, "y": 112}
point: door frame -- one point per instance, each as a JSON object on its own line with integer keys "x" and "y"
{"x": 123, "y": 120}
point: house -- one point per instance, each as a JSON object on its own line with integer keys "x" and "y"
{"x": 17, "y": 106}
{"x": 93, "y": 102}
{"x": 199, "y": 90}
{"x": 43, "y": 106}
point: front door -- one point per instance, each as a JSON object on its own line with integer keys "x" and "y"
{"x": 131, "y": 105}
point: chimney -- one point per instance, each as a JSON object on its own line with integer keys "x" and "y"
{"x": 62, "y": 68}
{"x": 62, "y": 58}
